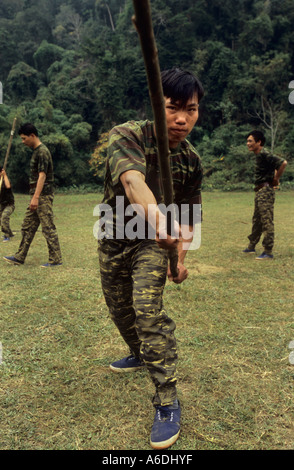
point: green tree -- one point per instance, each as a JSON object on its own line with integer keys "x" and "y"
{"x": 23, "y": 80}
{"x": 75, "y": 68}
{"x": 46, "y": 55}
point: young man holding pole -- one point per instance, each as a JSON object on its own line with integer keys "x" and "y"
{"x": 134, "y": 270}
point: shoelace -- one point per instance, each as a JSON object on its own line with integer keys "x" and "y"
{"x": 165, "y": 415}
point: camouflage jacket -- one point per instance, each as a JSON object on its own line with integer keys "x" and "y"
{"x": 265, "y": 165}
{"x": 132, "y": 146}
{"x": 41, "y": 161}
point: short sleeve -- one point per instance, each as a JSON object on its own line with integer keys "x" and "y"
{"x": 277, "y": 162}
{"x": 125, "y": 152}
{"x": 43, "y": 160}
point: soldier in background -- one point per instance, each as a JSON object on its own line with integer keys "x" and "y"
{"x": 268, "y": 170}
{"x": 40, "y": 210}
{"x": 6, "y": 205}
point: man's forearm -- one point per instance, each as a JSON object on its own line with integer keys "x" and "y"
{"x": 6, "y": 181}
{"x": 139, "y": 194}
{"x": 281, "y": 170}
{"x": 185, "y": 241}
{"x": 144, "y": 203}
{"x": 40, "y": 184}
{"x": 137, "y": 190}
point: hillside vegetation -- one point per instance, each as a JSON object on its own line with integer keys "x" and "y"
{"x": 74, "y": 68}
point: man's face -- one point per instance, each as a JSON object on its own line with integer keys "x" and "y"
{"x": 28, "y": 140}
{"x": 252, "y": 145}
{"x": 180, "y": 119}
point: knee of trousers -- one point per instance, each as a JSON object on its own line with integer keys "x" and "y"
{"x": 158, "y": 349}
{"x": 49, "y": 230}
{"x": 155, "y": 327}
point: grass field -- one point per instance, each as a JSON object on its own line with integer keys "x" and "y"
{"x": 234, "y": 320}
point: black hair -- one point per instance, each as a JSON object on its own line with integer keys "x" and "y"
{"x": 28, "y": 129}
{"x": 257, "y": 136}
{"x": 180, "y": 85}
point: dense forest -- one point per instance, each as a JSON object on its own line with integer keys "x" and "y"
{"x": 74, "y": 68}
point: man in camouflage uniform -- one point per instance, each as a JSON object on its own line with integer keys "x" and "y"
{"x": 40, "y": 209}
{"x": 133, "y": 270}
{"x": 6, "y": 205}
{"x": 268, "y": 170}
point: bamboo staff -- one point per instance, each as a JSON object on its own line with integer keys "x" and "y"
{"x": 8, "y": 149}
{"x": 143, "y": 24}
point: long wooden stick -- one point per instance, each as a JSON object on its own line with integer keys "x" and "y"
{"x": 9, "y": 143}
{"x": 143, "y": 23}
{"x": 8, "y": 149}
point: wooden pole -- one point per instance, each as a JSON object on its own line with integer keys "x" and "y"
{"x": 8, "y": 148}
{"x": 143, "y": 24}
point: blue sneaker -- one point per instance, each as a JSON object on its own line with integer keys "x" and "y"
{"x": 50, "y": 265}
{"x": 12, "y": 260}
{"x": 264, "y": 256}
{"x": 6, "y": 239}
{"x": 166, "y": 426}
{"x": 127, "y": 364}
{"x": 249, "y": 251}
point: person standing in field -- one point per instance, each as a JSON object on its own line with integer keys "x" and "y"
{"x": 268, "y": 171}
{"x": 40, "y": 210}
{"x": 134, "y": 270}
{"x": 6, "y": 205}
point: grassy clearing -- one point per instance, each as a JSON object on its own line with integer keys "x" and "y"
{"x": 234, "y": 320}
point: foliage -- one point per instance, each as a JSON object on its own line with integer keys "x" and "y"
{"x": 97, "y": 161}
{"x": 67, "y": 58}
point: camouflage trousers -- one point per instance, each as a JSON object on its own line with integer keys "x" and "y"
{"x": 5, "y": 213}
{"x": 44, "y": 216}
{"x": 263, "y": 219}
{"x": 133, "y": 276}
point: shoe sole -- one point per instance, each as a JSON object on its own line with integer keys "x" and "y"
{"x": 165, "y": 444}
{"x": 264, "y": 259}
{"x": 12, "y": 262}
{"x": 123, "y": 370}
{"x": 51, "y": 266}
